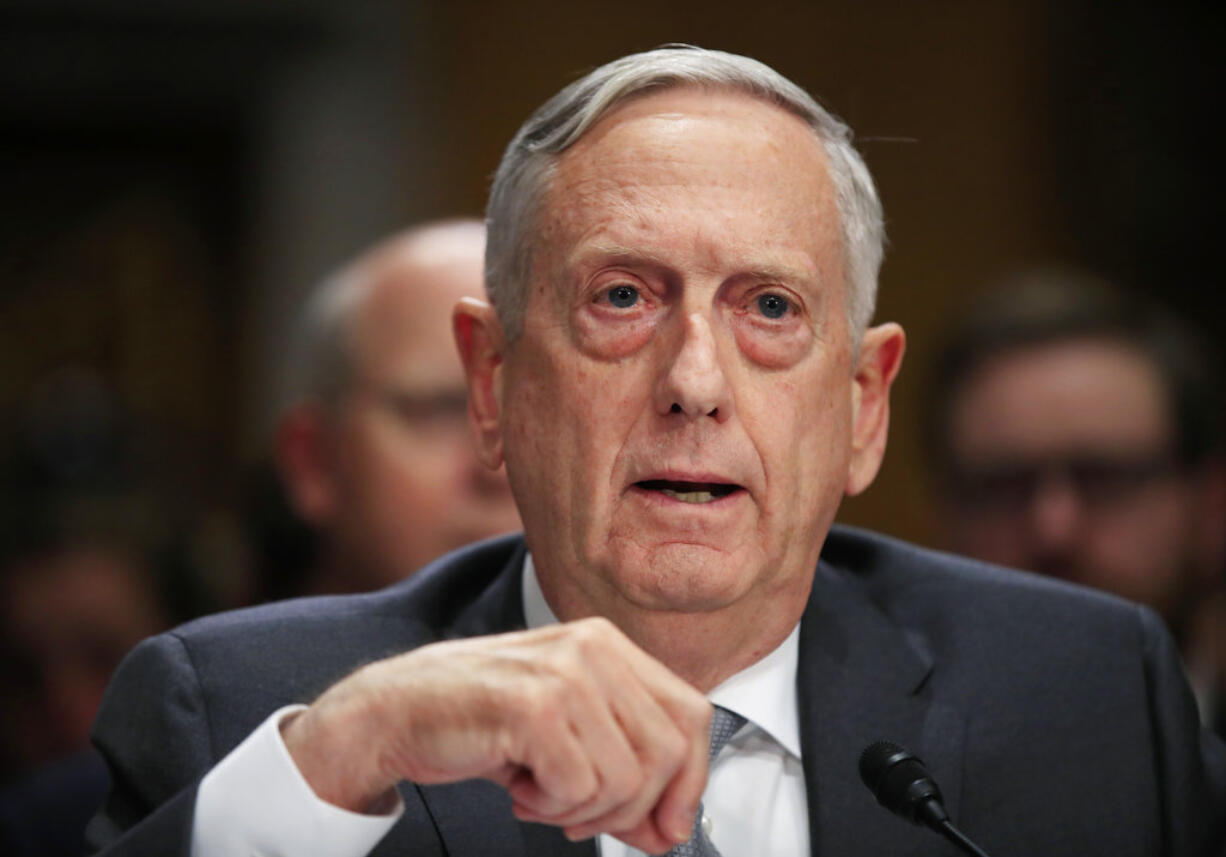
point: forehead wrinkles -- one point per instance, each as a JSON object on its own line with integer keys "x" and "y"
{"x": 673, "y": 151}
{"x": 648, "y": 204}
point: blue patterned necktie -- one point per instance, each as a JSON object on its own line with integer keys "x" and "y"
{"x": 724, "y": 725}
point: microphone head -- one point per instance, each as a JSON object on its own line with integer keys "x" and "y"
{"x": 901, "y": 783}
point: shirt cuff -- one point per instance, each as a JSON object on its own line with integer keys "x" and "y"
{"x": 256, "y": 802}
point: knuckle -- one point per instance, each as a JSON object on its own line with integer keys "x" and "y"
{"x": 565, "y": 672}
{"x": 564, "y": 790}
{"x": 601, "y": 624}
{"x": 583, "y": 789}
{"x": 540, "y": 705}
{"x": 625, "y": 784}
{"x": 596, "y": 629}
{"x": 592, "y": 635}
{"x": 696, "y": 716}
{"x": 566, "y": 658}
{"x": 672, "y": 751}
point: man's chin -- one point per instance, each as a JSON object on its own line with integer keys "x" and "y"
{"x": 684, "y": 577}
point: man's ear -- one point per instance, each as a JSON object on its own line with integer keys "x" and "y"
{"x": 301, "y": 452}
{"x": 480, "y": 340}
{"x": 880, "y": 358}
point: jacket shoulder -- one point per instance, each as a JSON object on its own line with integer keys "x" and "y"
{"x": 893, "y": 572}
{"x": 426, "y": 604}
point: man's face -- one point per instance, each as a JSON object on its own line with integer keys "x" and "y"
{"x": 407, "y": 486}
{"x": 69, "y": 616}
{"x": 677, "y": 414}
{"x": 1065, "y": 458}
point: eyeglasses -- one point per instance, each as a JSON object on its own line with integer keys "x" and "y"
{"x": 1097, "y": 481}
{"x": 441, "y": 413}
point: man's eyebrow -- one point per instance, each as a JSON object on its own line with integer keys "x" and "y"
{"x": 780, "y": 274}
{"x": 617, "y": 254}
{"x": 612, "y": 253}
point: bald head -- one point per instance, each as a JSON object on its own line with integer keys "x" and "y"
{"x": 396, "y": 298}
{"x": 374, "y": 448}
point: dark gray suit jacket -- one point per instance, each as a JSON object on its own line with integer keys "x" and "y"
{"x": 1055, "y": 719}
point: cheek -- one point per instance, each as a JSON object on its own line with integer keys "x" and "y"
{"x": 809, "y": 438}
{"x": 770, "y": 347}
{"x": 784, "y": 435}
{"x": 395, "y": 495}
{"x": 537, "y": 431}
{"x": 612, "y": 342}
{"x": 1151, "y": 536}
{"x": 567, "y": 423}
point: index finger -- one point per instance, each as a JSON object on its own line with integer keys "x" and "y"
{"x": 678, "y": 804}
{"x": 672, "y": 819}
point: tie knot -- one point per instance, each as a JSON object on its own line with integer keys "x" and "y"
{"x": 724, "y": 724}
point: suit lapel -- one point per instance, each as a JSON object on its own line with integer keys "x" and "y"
{"x": 474, "y": 817}
{"x": 861, "y": 679}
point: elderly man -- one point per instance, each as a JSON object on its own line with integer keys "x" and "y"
{"x": 374, "y": 448}
{"x": 678, "y": 372}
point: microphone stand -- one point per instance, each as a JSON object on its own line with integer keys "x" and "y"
{"x": 946, "y": 828}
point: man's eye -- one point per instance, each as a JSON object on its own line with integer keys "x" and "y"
{"x": 772, "y": 306}
{"x": 623, "y": 297}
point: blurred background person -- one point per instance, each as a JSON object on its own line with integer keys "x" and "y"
{"x": 1076, "y": 432}
{"x": 95, "y": 555}
{"x": 373, "y": 447}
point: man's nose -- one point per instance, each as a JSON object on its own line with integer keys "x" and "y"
{"x": 1056, "y": 512}
{"x": 694, "y": 383}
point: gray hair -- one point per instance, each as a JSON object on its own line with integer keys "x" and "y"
{"x": 529, "y": 162}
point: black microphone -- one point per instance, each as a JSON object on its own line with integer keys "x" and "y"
{"x": 903, "y": 786}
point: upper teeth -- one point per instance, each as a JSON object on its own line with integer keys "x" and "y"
{"x": 690, "y": 496}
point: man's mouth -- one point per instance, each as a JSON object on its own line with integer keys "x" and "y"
{"x": 689, "y": 492}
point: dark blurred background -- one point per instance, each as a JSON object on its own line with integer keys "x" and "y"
{"x": 176, "y": 174}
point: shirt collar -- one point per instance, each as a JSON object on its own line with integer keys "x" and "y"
{"x": 764, "y": 693}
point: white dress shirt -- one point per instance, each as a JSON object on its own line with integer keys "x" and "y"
{"x": 255, "y": 803}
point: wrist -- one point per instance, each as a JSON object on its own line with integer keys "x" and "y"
{"x": 336, "y": 753}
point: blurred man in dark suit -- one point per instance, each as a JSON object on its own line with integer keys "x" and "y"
{"x": 1077, "y": 433}
{"x": 678, "y": 369}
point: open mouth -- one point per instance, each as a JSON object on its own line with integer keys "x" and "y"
{"x": 689, "y": 492}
